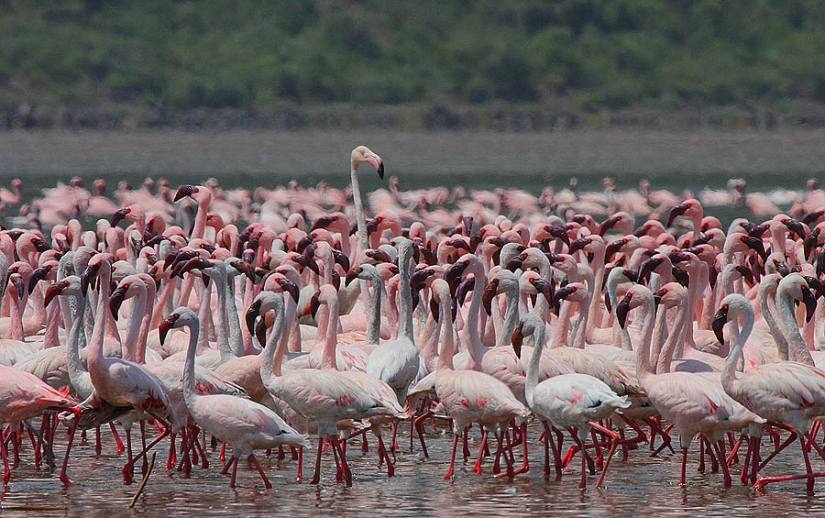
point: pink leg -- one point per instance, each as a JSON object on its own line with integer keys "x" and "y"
{"x": 116, "y": 437}
{"x": 450, "y": 470}
{"x": 477, "y": 466}
{"x": 317, "y": 475}
{"x": 300, "y": 475}
{"x": 254, "y": 461}
{"x": 63, "y": 476}
{"x": 234, "y": 469}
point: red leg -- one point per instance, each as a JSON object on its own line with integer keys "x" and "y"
{"x": 684, "y": 466}
{"x": 116, "y": 437}
{"x": 63, "y": 476}
{"x": 317, "y": 475}
{"x": 477, "y": 466}
{"x": 614, "y": 438}
{"x": 234, "y": 469}
{"x": 720, "y": 453}
{"x": 254, "y": 462}
{"x": 450, "y": 470}
{"x": 525, "y": 465}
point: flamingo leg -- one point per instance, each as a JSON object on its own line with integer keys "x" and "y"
{"x": 477, "y": 466}
{"x": 382, "y": 451}
{"x": 5, "y": 454}
{"x": 255, "y": 463}
{"x": 525, "y": 466}
{"x": 684, "y": 466}
{"x": 299, "y": 477}
{"x": 450, "y": 470}
{"x": 344, "y": 466}
{"x": 63, "y": 476}
{"x": 418, "y": 423}
{"x": 234, "y": 462}
{"x": 720, "y": 453}
{"x": 614, "y": 438}
{"x": 317, "y": 475}
{"x": 116, "y": 437}
{"x": 809, "y": 475}
{"x": 583, "y": 482}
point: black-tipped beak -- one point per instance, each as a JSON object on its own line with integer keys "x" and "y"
{"x": 796, "y": 227}
{"x": 719, "y": 322}
{"x": 341, "y": 259}
{"x": 40, "y": 245}
{"x": 260, "y": 332}
{"x": 88, "y": 274}
{"x": 455, "y": 271}
{"x": 614, "y": 247}
{"x": 622, "y": 309}
{"x": 194, "y": 263}
{"x": 641, "y": 231}
{"x": 545, "y": 288}
{"x": 466, "y": 286}
{"x": 578, "y": 244}
{"x": 290, "y": 287}
{"x": 119, "y": 215}
{"x": 608, "y": 224}
{"x": 252, "y": 315}
{"x": 514, "y": 263}
{"x": 380, "y": 170}
{"x": 809, "y": 300}
{"x": 434, "y": 309}
{"x": 810, "y": 244}
{"x": 754, "y": 243}
{"x": 517, "y": 339}
{"x": 746, "y": 274}
{"x": 322, "y": 222}
{"x": 315, "y": 303}
{"x": 116, "y": 300}
{"x": 184, "y": 190}
{"x": 563, "y": 293}
{"x": 488, "y": 296}
{"x": 37, "y": 275}
{"x": 53, "y": 291}
{"x": 812, "y": 217}
{"x": 657, "y": 297}
{"x": 468, "y": 224}
{"x": 166, "y": 325}
{"x": 676, "y": 211}
{"x": 352, "y": 275}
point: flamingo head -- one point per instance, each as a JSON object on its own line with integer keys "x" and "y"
{"x": 363, "y": 155}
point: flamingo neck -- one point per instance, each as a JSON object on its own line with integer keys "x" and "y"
{"x": 74, "y": 364}
{"x": 535, "y": 361}
{"x": 360, "y": 219}
{"x": 797, "y": 350}
{"x": 405, "y": 326}
{"x": 190, "y": 392}
{"x": 510, "y": 317}
{"x": 736, "y": 356}
{"x": 374, "y": 315}
{"x": 329, "y": 360}
{"x": 644, "y": 367}
{"x": 472, "y": 339}
{"x": 130, "y": 344}
{"x": 275, "y": 349}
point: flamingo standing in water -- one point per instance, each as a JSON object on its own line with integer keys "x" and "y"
{"x": 242, "y": 423}
{"x": 786, "y": 393}
{"x": 572, "y": 401}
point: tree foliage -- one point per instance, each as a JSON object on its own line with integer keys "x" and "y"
{"x": 186, "y": 54}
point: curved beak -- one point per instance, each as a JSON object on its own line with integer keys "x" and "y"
{"x": 289, "y": 287}
{"x": 676, "y": 211}
{"x": 517, "y": 339}
{"x": 185, "y": 190}
{"x": 641, "y": 231}
{"x": 796, "y": 227}
{"x": 37, "y": 275}
{"x": 260, "y": 332}
{"x": 166, "y": 325}
{"x": 488, "y": 296}
{"x": 315, "y": 303}
{"x": 53, "y": 291}
{"x": 608, "y": 224}
{"x": 563, "y": 293}
{"x": 322, "y": 222}
{"x": 455, "y": 271}
{"x": 514, "y": 263}
{"x": 754, "y": 243}
{"x": 809, "y": 300}
{"x": 116, "y": 300}
{"x": 622, "y": 309}
{"x": 88, "y": 274}
{"x": 578, "y": 244}
{"x": 719, "y": 322}
{"x": 119, "y": 215}
{"x": 252, "y": 315}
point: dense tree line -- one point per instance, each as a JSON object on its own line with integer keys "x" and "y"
{"x": 244, "y": 54}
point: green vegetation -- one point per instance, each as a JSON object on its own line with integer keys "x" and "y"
{"x": 581, "y": 55}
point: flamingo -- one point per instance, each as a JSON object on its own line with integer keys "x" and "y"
{"x": 242, "y": 423}
{"x": 786, "y": 392}
{"x": 572, "y": 401}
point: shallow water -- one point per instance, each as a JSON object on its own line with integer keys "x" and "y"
{"x": 641, "y": 483}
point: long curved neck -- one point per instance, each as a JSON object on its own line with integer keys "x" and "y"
{"x": 138, "y": 311}
{"x": 233, "y": 322}
{"x": 563, "y": 326}
{"x": 275, "y": 349}
{"x": 329, "y": 360}
{"x": 797, "y": 350}
{"x": 644, "y": 367}
{"x": 75, "y": 366}
{"x": 473, "y": 341}
{"x": 581, "y": 327}
{"x": 735, "y": 356}
{"x": 189, "y": 389}
{"x": 374, "y": 315}
{"x": 776, "y": 331}
{"x": 405, "y": 325}
{"x": 667, "y": 350}
{"x": 535, "y": 362}
{"x": 199, "y": 228}
{"x": 95, "y": 354}
{"x": 359, "y": 208}
{"x": 445, "y": 358}
{"x": 227, "y": 353}
{"x": 510, "y": 318}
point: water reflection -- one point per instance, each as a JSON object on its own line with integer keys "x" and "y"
{"x": 643, "y": 484}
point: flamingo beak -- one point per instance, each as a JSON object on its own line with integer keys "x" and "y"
{"x": 676, "y": 211}
{"x": 607, "y": 225}
{"x": 53, "y": 291}
{"x": 719, "y": 322}
{"x": 116, "y": 300}
{"x": 252, "y": 315}
{"x": 517, "y": 339}
{"x": 488, "y": 296}
{"x": 167, "y": 324}
{"x": 315, "y": 303}
{"x": 622, "y": 309}
{"x": 290, "y": 287}
{"x": 809, "y": 300}
{"x": 185, "y": 190}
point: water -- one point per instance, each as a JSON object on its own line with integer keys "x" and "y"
{"x": 643, "y": 484}
{"x": 673, "y": 161}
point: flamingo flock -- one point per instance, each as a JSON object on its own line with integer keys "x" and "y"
{"x": 250, "y": 323}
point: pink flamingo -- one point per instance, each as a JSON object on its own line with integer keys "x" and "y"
{"x": 244, "y": 424}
